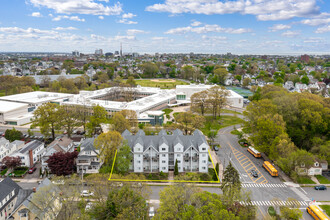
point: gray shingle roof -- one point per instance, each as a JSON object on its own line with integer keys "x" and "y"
{"x": 30, "y": 146}
{"x": 6, "y": 187}
{"x": 187, "y": 141}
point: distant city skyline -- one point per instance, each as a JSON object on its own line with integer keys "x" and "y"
{"x": 166, "y": 26}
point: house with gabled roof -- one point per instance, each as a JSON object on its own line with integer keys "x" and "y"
{"x": 9, "y": 191}
{"x": 156, "y": 153}
{"x": 88, "y": 160}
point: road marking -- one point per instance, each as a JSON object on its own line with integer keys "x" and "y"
{"x": 275, "y": 203}
{"x": 262, "y": 213}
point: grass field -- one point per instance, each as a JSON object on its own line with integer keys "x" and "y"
{"x": 160, "y": 83}
{"x": 223, "y": 121}
{"x": 305, "y": 180}
{"x": 322, "y": 179}
{"x": 326, "y": 209}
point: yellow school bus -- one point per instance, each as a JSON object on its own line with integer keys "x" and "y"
{"x": 316, "y": 213}
{"x": 270, "y": 168}
{"x": 254, "y": 152}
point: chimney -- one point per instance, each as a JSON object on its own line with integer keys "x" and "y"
{"x": 34, "y": 189}
{"x": 31, "y": 158}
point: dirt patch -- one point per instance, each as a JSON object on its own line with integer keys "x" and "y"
{"x": 163, "y": 81}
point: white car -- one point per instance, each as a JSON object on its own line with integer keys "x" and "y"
{"x": 151, "y": 212}
{"x": 58, "y": 182}
{"x": 86, "y": 193}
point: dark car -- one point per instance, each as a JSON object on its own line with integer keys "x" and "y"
{"x": 254, "y": 173}
{"x": 32, "y": 169}
{"x": 320, "y": 187}
{"x": 216, "y": 148}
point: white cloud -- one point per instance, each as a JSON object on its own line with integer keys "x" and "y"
{"x": 291, "y": 33}
{"x": 128, "y": 15}
{"x": 135, "y": 31}
{"x": 65, "y": 29}
{"x": 324, "y": 29}
{"x": 159, "y": 38}
{"x": 129, "y": 37}
{"x": 279, "y": 27}
{"x": 206, "y": 29}
{"x": 314, "y": 40}
{"x": 125, "y": 21}
{"x": 242, "y": 41}
{"x": 36, "y": 14}
{"x": 72, "y": 18}
{"x": 262, "y": 9}
{"x": 322, "y": 19}
{"x": 17, "y": 30}
{"x": 214, "y": 38}
{"x": 196, "y": 23}
{"x": 98, "y": 37}
{"x": 101, "y": 17}
{"x": 90, "y": 7}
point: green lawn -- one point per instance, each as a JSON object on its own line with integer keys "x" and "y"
{"x": 162, "y": 83}
{"x": 3, "y": 172}
{"x": 19, "y": 171}
{"x": 326, "y": 208}
{"x": 305, "y": 180}
{"x": 230, "y": 111}
{"x": 322, "y": 179}
{"x": 223, "y": 121}
{"x": 167, "y": 111}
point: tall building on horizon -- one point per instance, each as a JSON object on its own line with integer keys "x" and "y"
{"x": 99, "y": 52}
{"x": 121, "y": 49}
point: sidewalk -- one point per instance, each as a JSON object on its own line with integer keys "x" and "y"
{"x": 215, "y": 161}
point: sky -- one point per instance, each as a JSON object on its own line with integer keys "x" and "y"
{"x": 166, "y": 26}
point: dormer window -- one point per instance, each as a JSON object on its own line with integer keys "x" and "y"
{"x": 316, "y": 164}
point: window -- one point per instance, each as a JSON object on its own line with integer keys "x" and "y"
{"x": 139, "y": 161}
{"x": 164, "y": 168}
{"x": 164, "y": 155}
{"x": 179, "y": 161}
{"x": 187, "y": 161}
{"x": 203, "y": 168}
{"x": 178, "y": 155}
{"x": 204, "y": 161}
{"x": 179, "y": 149}
{"x": 203, "y": 155}
{"x": 163, "y": 161}
{"x": 163, "y": 149}
{"x": 203, "y": 148}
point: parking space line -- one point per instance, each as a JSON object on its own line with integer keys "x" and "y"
{"x": 245, "y": 162}
{"x": 236, "y": 153}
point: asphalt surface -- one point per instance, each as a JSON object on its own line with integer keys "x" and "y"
{"x": 264, "y": 189}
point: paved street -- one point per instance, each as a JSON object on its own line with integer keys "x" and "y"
{"x": 265, "y": 189}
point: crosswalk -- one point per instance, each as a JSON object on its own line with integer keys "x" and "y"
{"x": 275, "y": 203}
{"x": 252, "y": 185}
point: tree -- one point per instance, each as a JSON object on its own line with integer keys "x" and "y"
{"x": 130, "y": 81}
{"x": 47, "y": 118}
{"x": 199, "y": 102}
{"x": 187, "y": 121}
{"x": 291, "y": 212}
{"x": 231, "y": 184}
{"x": 45, "y": 202}
{"x": 11, "y": 162}
{"x": 176, "y": 170}
{"x": 246, "y": 82}
{"x": 216, "y": 172}
{"x": 131, "y": 116}
{"x": 222, "y": 74}
{"x": 217, "y": 99}
{"x": 120, "y": 123}
{"x": 69, "y": 118}
{"x": 62, "y": 164}
{"x": 149, "y": 69}
{"x": 124, "y": 158}
{"x": 122, "y": 203}
{"x": 99, "y": 116}
{"x": 13, "y": 134}
{"x": 108, "y": 143}
{"x": 305, "y": 79}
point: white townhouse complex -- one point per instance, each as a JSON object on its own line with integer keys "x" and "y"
{"x": 30, "y": 153}
{"x": 7, "y": 148}
{"x": 156, "y": 153}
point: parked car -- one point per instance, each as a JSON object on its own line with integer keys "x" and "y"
{"x": 254, "y": 173}
{"x": 116, "y": 184}
{"x": 151, "y": 212}
{"x": 216, "y": 148}
{"x": 86, "y": 193}
{"x": 32, "y": 169}
{"x": 58, "y": 182}
{"x": 320, "y": 187}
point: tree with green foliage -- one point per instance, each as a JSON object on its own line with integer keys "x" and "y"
{"x": 305, "y": 80}
{"x": 216, "y": 173}
{"x": 231, "y": 184}
{"x": 13, "y": 134}
{"x": 176, "y": 169}
{"x": 149, "y": 69}
{"x": 69, "y": 118}
{"x": 108, "y": 143}
{"x": 217, "y": 99}
{"x": 99, "y": 117}
{"x": 122, "y": 203}
{"x": 130, "y": 81}
{"x": 221, "y": 74}
{"x": 199, "y": 102}
{"x": 291, "y": 212}
{"x": 124, "y": 158}
{"x": 120, "y": 123}
{"x": 188, "y": 122}
{"x": 47, "y": 117}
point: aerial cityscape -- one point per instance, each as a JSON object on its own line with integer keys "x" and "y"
{"x": 165, "y": 109}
